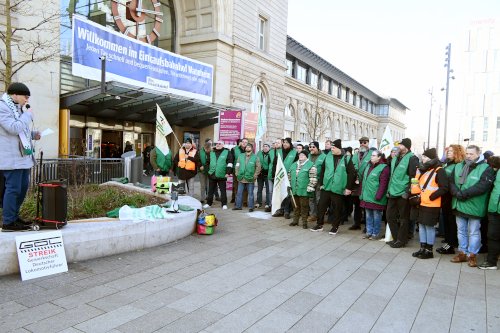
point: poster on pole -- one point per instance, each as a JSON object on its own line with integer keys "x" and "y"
{"x": 251, "y": 123}
{"x": 41, "y": 254}
{"x": 230, "y": 126}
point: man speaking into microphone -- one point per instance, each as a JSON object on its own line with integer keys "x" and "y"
{"x": 18, "y": 156}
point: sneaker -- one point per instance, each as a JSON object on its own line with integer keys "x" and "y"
{"x": 460, "y": 257}
{"x": 267, "y": 208}
{"x": 333, "y": 231}
{"x": 225, "y": 207}
{"x": 354, "y": 227}
{"x": 317, "y": 227}
{"x": 427, "y": 254}
{"x": 235, "y": 208}
{"x": 397, "y": 245}
{"x": 257, "y": 206}
{"x": 472, "y": 262}
{"x": 366, "y": 236}
{"x": 487, "y": 265}
{"x": 250, "y": 210}
{"x": 16, "y": 226}
{"x": 446, "y": 249}
{"x": 205, "y": 206}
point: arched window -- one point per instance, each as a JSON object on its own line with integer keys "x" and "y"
{"x": 346, "y": 131}
{"x": 337, "y": 129}
{"x": 289, "y": 111}
{"x": 259, "y": 99}
{"x": 328, "y": 128}
{"x": 353, "y": 133}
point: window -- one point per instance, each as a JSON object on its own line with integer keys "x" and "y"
{"x": 288, "y": 134}
{"x": 353, "y": 133}
{"x": 337, "y": 129}
{"x": 259, "y": 104}
{"x": 289, "y": 67}
{"x": 485, "y": 129}
{"x": 326, "y": 86}
{"x": 346, "y": 131}
{"x": 472, "y": 135}
{"x": 301, "y": 73}
{"x": 354, "y": 98}
{"x": 314, "y": 80}
{"x": 498, "y": 122}
{"x": 289, "y": 111}
{"x": 262, "y": 33}
{"x": 303, "y": 137}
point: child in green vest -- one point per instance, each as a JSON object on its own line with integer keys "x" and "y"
{"x": 303, "y": 179}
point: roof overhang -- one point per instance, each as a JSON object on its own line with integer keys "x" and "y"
{"x": 124, "y": 102}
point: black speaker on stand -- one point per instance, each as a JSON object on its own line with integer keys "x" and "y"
{"x": 54, "y": 203}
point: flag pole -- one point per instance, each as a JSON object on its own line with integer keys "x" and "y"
{"x": 180, "y": 146}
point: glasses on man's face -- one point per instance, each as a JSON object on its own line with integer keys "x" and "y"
{"x": 312, "y": 147}
{"x": 363, "y": 142}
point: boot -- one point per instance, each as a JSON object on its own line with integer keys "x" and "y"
{"x": 472, "y": 260}
{"x": 427, "y": 254}
{"x": 419, "y": 252}
{"x": 304, "y": 224}
{"x": 460, "y": 257}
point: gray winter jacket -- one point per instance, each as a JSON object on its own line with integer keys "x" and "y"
{"x": 10, "y": 143}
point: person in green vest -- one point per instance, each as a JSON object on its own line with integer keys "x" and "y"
{"x": 316, "y": 156}
{"x": 247, "y": 169}
{"x": 403, "y": 168}
{"x": 493, "y": 219}
{"x": 161, "y": 163}
{"x": 454, "y": 154}
{"x": 336, "y": 180}
{"x": 289, "y": 155}
{"x": 276, "y": 148}
{"x": 263, "y": 180}
{"x": 303, "y": 179}
{"x": 203, "y": 171}
{"x": 236, "y": 151}
{"x": 470, "y": 185}
{"x": 360, "y": 159}
{"x": 373, "y": 192}
{"x": 220, "y": 166}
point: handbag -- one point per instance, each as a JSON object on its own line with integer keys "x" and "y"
{"x": 415, "y": 199}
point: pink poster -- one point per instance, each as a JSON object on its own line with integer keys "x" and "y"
{"x": 230, "y": 126}
{"x": 251, "y": 122}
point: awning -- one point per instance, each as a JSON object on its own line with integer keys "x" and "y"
{"x": 124, "y": 102}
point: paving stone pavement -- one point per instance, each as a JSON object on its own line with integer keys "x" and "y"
{"x": 258, "y": 275}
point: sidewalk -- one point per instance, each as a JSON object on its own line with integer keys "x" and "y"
{"x": 257, "y": 275}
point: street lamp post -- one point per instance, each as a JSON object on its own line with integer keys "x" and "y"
{"x": 430, "y": 117}
{"x": 448, "y": 73}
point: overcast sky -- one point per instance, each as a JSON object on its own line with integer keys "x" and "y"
{"x": 396, "y": 48}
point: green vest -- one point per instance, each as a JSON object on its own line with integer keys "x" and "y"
{"x": 272, "y": 156}
{"x": 477, "y": 205}
{"x": 400, "y": 180}
{"x": 299, "y": 182}
{"x": 218, "y": 165}
{"x": 335, "y": 179}
{"x": 290, "y": 158}
{"x": 449, "y": 168}
{"x": 246, "y": 171}
{"x": 318, "y": 163}
{"x": 237, "y": 152}
{"x": 163, "y": 162}
{"x": 371, "y": 184}
{"x": 264, "y": 162}
{"x": 360, "y": 167}
{"x": 203, "y": 160}
{"x": 494, "y": 204}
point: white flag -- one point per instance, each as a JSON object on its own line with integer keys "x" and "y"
{"x": 387, "y": 143}
{"x": 262, "y": 123}
{"x": 162, "y": 130}
{"x": 280, "y": 185}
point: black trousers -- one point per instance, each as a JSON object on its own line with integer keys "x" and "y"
{"x": 493, "y": 238}
{"x": 398, "y": 217}
{"x": 327, "y": 198}
{"x": 449, "y": 221}
{"x": 212, "y": 186}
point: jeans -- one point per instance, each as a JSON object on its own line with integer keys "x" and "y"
{"x": 427, "y": 234}
{"x": 469, "y": 235}
{"x": 373, "y": 221}
{"x": 239, "y": 196}
{"x": 16, "y": 186}
{"x": 261, "y": 182}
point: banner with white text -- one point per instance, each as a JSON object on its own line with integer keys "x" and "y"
{"x": 133, "y": 62}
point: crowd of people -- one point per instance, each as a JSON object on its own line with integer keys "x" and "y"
{"x": 458, "y": 193}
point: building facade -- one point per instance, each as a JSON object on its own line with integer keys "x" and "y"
{"x": 257, "y": 68}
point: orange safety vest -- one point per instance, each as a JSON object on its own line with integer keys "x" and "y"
{"x": 432, "y": 187}
{"x": 184, "y": 163}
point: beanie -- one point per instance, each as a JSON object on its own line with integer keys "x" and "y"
{"x": 188, "y": 140}
{"x": 337, "y": 143}
{"x": 305, "y": 152}
{"x": 487, "y": 154}
{"x": 266, "y": 144}
{"x": 18, "y": 88}
{"x": 431, "y": 153}
{"x": 406, "y": 142}
{"x": 315, "y": 144}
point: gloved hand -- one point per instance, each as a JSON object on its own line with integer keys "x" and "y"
{"x": 460, "y": 196}
{"x": 310, "y": 188}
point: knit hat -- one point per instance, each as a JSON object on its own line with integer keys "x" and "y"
{"x": 407, "y": 143}
{"x": 337, "y": 143}
{"x": 364, "y": 138}
{"x": 266, "y": 144}
{"x": 315, "y": 144}
{"x": 305, "y": 152}
{"x": 431, "y": 153}
{"x": 487, "y": 154}
{"x": 188, "y": 140}
{"x": 18, "y": 88}
{"x": 289, "y": 140}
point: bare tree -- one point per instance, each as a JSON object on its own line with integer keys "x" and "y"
{"x": 315, "y": 121}
{"x": 30, "y": 44}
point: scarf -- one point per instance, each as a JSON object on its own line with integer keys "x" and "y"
{"x": 25, "y": 134}
{"x": 465, "y": 172}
